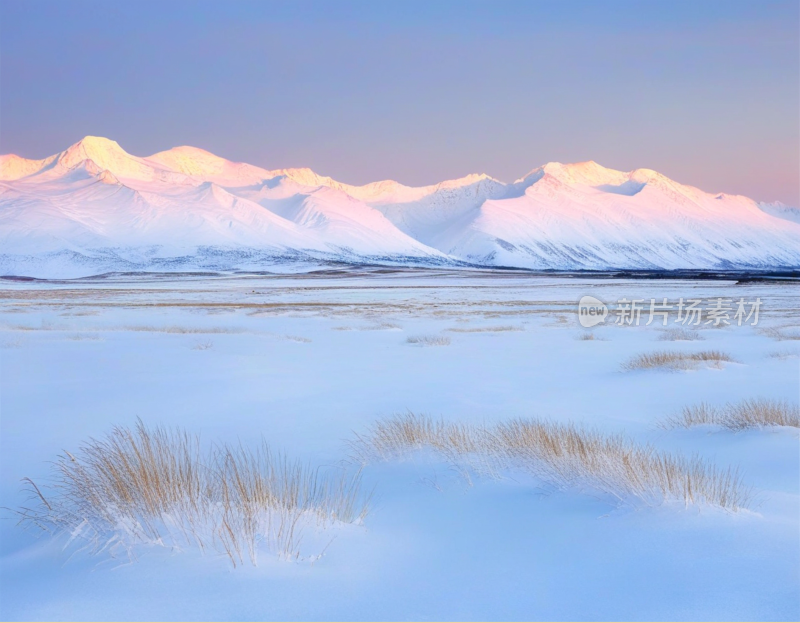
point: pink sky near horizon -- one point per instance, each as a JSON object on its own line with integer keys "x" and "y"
{"x": 707, "y": 94}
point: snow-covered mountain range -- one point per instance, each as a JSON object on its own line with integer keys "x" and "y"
{"x": 95, "y": 208}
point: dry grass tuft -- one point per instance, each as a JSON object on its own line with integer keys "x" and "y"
{"x": 757, "y": 413}
{"x": 80, "y": 313}
{"x": 182, "y": 330}
{"x": 782, "y": 333}
{"x": 783, "y": 354}
{"x": 563, "y": 455}
{"x": 429, "y": 340}
{"x": 44, "y": 326}
{"x": 154, "y": 486}
{"x": 388, "y": 438}
{"x": 679, "y": 334}
{"x": 500, "y": 329}
{"x": 675, "y": 360}
{"x": 297, "y": 338}
{"x": 81, "y": 337}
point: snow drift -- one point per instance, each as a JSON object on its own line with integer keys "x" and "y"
{"x": 96, "y": 208}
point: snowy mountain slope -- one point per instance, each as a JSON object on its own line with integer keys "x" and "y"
{"x": 587, "y": 216}
{"x": 87, "y": 210}
{"x": 612, "y": 219}
{"x": 200, "y": 164}
{"x": 12, "y": 167}
{"x": 94, "y": 198}
{"x": 781, "y": 210}
{"x": 95, "y": 201}
{"x": 336, "y": 217}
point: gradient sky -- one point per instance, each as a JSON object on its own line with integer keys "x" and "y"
{"x": 705, "y": 92}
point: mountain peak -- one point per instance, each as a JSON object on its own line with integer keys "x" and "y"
{"x": 99, "y": 143}
{"x": 467, "y": 180}
{"x": 587, "y": 173}
{"x": 199, "y": 163}
{"x": 97, "y": 146}
{"x": 104, "y": 152}
{"x": 190, "y": 161}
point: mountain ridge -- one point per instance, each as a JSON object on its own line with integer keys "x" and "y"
{"x": 95, "y": 200}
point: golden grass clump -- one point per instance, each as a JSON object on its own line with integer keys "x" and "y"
{"x": 410, "y": 431}
{"x": 676, "y": 360}
{"x": 754, "y": 413}
{"x": 562, "y": 455}
{"x": 156, "y": 486}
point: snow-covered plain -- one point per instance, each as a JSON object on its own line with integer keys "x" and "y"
{"x": 95, "y": 208}
{"x": 306, "y": 360}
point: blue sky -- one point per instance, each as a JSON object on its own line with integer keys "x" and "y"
{"x": 705, "y": 92}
